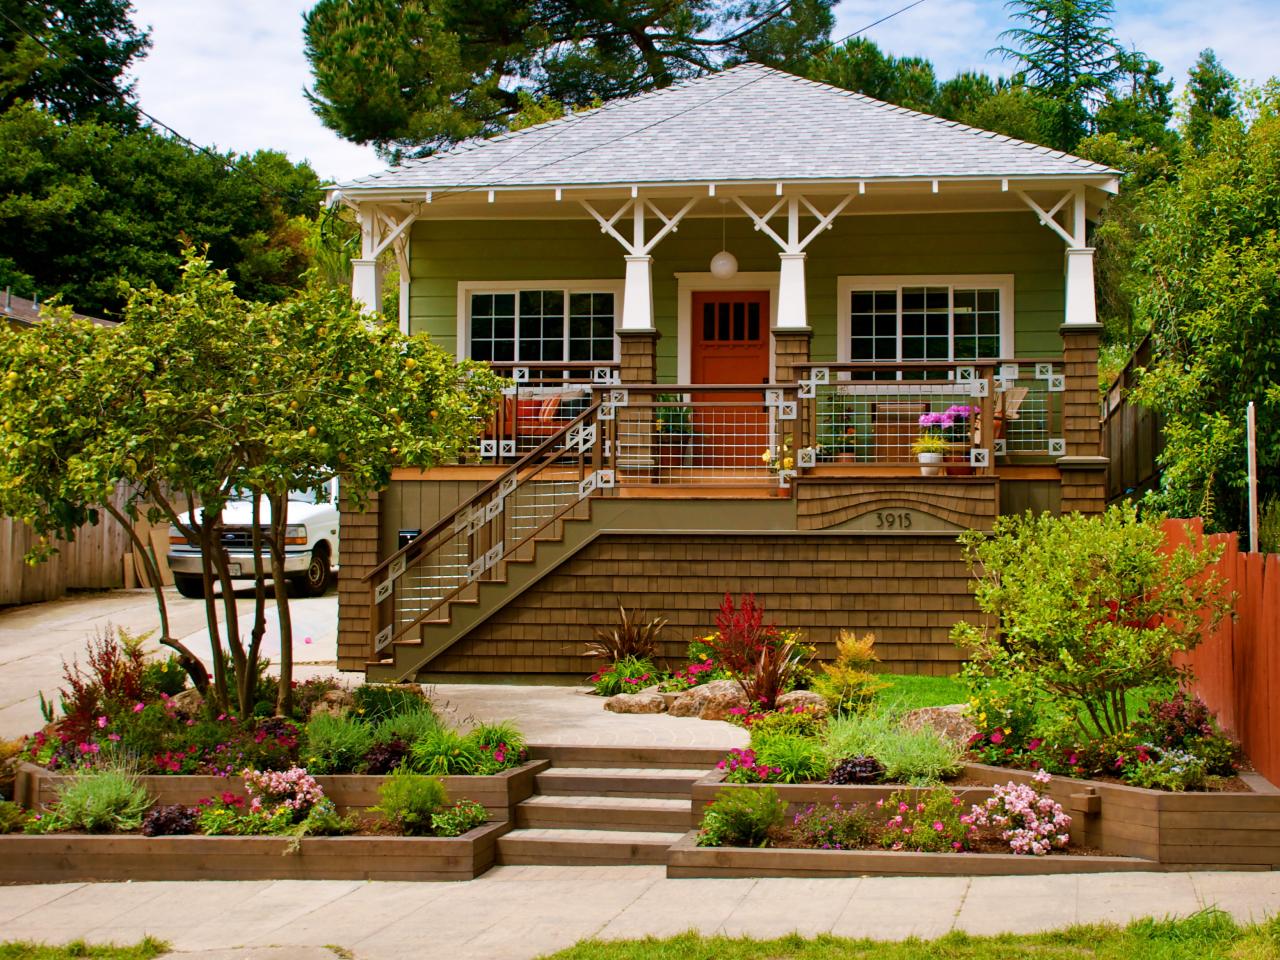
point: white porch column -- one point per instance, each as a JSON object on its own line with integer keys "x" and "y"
{"x": 1081, "y": 302}
{"x": 793, "y": 310}
{"x": 637, "y": 294}
{"x": 366, "y": 284}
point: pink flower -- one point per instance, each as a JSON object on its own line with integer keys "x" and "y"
{"x": 957, "y": 845}
{"x": 139, "y": 707}
{"x": 997, "y": 737}
{"x": 937, "y": 825}
{"x": 102, "y": 722}
{"x": 306, "y": 639}
{"x": 113, "y": 736}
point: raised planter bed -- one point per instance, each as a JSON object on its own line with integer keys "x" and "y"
{"x": 687, "y": 859}
{"x": 57, "y": 858}
{"x": 36, "y": 788}
{"x": 1137, "y": 828}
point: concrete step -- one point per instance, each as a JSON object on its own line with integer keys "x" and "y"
{"x": 628, "y": 814}
{"x": 584, "y": 847}
{"x": 650, "y": 782}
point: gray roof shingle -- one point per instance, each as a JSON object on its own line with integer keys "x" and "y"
{"x": 748, "y": 123}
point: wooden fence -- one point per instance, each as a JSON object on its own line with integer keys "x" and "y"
{"x": 100, "y": 558}
{"x": 1237, "y": 668}
{"x": 1132, "y": 435}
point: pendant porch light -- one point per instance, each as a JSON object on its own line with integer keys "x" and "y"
{"x": 724, "y": 264}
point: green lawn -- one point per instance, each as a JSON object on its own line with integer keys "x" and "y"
{"x": 910, "y": 692}
{"x": 146, "y": 949}
{"x": 1204, "y": 936}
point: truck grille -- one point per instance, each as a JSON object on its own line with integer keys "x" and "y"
{"x": 239, "y": 538}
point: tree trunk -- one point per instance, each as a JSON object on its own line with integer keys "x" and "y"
{"x": 279, "y": 521}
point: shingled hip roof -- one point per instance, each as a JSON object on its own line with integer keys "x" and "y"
{"x": 748, "y": 123}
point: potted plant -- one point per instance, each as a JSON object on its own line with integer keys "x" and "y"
{"x": 672, "y": 428}
{"x": 953, "y": 427}
{"x": 780, "y": 459}
{"x": 838, "y": 430}
{"x": 930, "y": 449}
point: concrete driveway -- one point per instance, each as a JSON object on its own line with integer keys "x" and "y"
{"x": 36, "y": 639}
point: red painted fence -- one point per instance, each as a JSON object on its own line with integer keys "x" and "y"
{"x": 1237, "y": 667}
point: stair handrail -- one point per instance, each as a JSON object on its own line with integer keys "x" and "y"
{"x": 416, "y": 545}
{"x": 530, "y": 465}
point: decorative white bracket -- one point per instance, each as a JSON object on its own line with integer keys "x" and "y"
{"x": 794, "y": 244}
{"x": 1046, "y": 217}
{"x": 639, "y": 245}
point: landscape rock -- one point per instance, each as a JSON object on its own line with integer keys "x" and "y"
{"x": 188, "y": 704}
{"x": 816, "y": 703}
{"x": 636, "y": 703}
{"x": 710, "y": 701}
{"x": 949, "y": 721}
{"x": 334, "y": 703}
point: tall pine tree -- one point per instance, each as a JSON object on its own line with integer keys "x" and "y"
{"x": 1210, "y": 96}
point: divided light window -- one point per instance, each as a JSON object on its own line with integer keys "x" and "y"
{"x": 539, "y": 325}
{"x": 924, "y": 323}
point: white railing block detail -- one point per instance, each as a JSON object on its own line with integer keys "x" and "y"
{"x": 789, "y": 410}
{"x": 773, "y": 397}
{"x": 508, "y": 448}
{"x": 383, "y": 590}
{"x": 807, "y": 457}
{"x": 979, "y": 457}
{"x": 488, "y": 449}
{"x": 966, "y": 374}
{"x": 1057, "y": 447}
{"x": 396, "y": 568}
{"x": 820, "y": 375}
{"x": 979, "y": 388}
{"x": 1044, "y": 371}
{"x": 1057, "y": 383}
{"x": 999, "y": 445}
{"x": 1009, "y": 371}
{"x": 382, "y": 639}
{"x": 508, "y": 486}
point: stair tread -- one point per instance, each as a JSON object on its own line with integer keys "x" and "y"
{"x": 613, "y": 803}
{"x": 653, "y": 773}
{"x": 610, "y": 837}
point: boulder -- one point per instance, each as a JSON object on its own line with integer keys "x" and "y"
{"x": 334, "y": 703}
{"x": 709, "y": 701}
{"x": 636, "y": 703}
{"x": 815, "y": 703}
{"x": 188, "y": 704}
{"x": 949, "y": 721}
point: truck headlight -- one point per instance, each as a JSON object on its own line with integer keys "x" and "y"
{"x": 295, "y": 536}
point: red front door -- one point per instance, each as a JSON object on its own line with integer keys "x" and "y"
{"x": 730, "y": 344}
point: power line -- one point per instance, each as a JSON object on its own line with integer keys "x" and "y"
{"x": 137, "y": 108}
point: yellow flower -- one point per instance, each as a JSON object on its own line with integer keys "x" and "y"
{"x": 766, "y": 456}
{"x": 788, "y": 463}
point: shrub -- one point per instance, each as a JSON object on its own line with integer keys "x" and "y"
{"x": 1004, "y": 715}
{"x": 336, "y": 744}
{"x": 443, "y": 752}
{"x": 172, "y": 820}
{"x": 631, "y": 638}
{"x": 742, "y": 766}
{"x": 108, "y": 799}
{"x": 12, "y": 817}
{"x": 164, "y": 677}
{"x": 799, "y": 722}
{"x": 1169, "y": 768}
{"x": 918, "y": 757}
{"x": 763, "y": 659}
{"x": 1029, "y": 821}
{"x": 628, "y": 675}
{"x": 833, "y": 828}
{"x": 794, "y": 759}
{"x": 456, "y": 820}
{"x": 1088, "y": 608}
{"x": 742, "y": 818}
{"x": 310, "y": 692}
{"x": 294, "y": 789}
{"x": 408, "y": 726}
{"x": 409, "y": 800}
{"x": 502, "y": 744}
{"x": 231, "y": 817}
{"x": 384, "y": 757}
{"x": 857, "y": 770}
{"x": 375, "y": 702}
{"x": 323, "y": 820}
{"x": 702, "y": 669}
{"x": 848, "y": 683}
{"x": 1183, "y": 722}
{"x": 932, "y": 822}
{"x": 113, "y": 676}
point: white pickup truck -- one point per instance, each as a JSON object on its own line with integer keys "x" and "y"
{"x": 311, "y": 544}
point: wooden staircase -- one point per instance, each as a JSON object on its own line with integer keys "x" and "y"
{"x": 480, "y": 600}
{"x": 606, "y": 806}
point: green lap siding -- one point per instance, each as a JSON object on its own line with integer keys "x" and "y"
{"x": 444, "y": 253}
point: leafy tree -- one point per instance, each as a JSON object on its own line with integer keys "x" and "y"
{"x": 1210, "y": 96}
{"x": 84, "y": 206}
{"x": 199, "y": 394}
{"x": 963, "y": 93}
{"x": 1139, "y": 105}
{"x": 1015, "y": 110}
{"x": 860, "y": 65}
{"x": 1205, "y": 283}
{"x": 1086, "y": 609}
{"x": 1067, "y": 52}
{"x": 410, "y": 77}
{"x": 70, "y": 57}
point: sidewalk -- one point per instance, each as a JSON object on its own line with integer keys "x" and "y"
{"x": 517, "y": 913}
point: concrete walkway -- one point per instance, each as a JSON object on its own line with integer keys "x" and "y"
{"x": 516, "y": 913}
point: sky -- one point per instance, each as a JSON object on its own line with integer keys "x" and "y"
{"x": 231, "y": 73}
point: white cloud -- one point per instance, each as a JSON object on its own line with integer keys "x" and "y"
{"x": 230, "y": 74}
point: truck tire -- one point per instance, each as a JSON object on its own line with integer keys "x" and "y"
{"x": 189, "y": 585}
{"x": 315, "y": 581}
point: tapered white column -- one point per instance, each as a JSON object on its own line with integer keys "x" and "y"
{"x": 637, "y": 295}
{"x": 366, "y": 284}
{"x": 1081, "y": 302}
{"x": 793, "y": 311}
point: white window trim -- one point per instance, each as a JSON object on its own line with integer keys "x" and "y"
{"x": 846, "y": 286}
{"x": 689, "y": 283}
{"x": 468, "y": 287}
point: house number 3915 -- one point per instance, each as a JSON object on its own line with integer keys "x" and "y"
{"x": 893, "y": 519}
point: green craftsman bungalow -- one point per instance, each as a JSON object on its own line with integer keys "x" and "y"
{"x": 764, "y": 335}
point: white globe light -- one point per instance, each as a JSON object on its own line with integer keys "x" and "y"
{"x": 724, "y": 265}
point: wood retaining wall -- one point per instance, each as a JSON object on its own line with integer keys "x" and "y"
{"x": 63, "y": 858}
